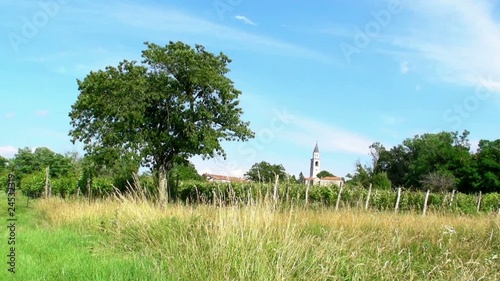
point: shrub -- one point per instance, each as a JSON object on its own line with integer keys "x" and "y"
{"x": 101, "y": 186}
{"x": 490, "y": 202}
{"x": 64, "y": 186}
{"x": 33, "y": 185}
{"x": 4, "y": 181}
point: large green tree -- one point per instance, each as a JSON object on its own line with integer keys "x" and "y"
{"x": 429, "y": 159}
{"x": 324, "y": 173}
{"x": 26, "y": 162}
{"x": 266, "y": 172}
{"x": 185, "y": 170}
{"x": 3, "y": 164}
{"x": 488, "y": 163}
{"x": 177, "y": 103}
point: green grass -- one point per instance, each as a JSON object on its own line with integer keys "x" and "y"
{"x": 45, "y": 252}
{"x": 132, "y": 239}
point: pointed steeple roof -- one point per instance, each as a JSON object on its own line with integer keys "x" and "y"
{"x": 316, "y": 148}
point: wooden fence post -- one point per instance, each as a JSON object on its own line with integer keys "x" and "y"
{"x": 425, "y": 202}
{"x": 368, "y": 197}
{"x": 287, "y": 188}
{"x": 397, "y": 200}
{"x": 89, "y": 190}
{"x": 48, "y": 190}
{"x": 479, "y": 201}
{"x": 275, "y": 193}
{"x": 452, "y": 197}
{"x": 307, "y": 191}
{"x": 338, "y": 197}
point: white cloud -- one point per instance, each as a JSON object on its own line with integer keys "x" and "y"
{"x": 220, "y": 167}
{"x": 8, "y": 151}
{"x": 331, "y": 138}
{"x": 245, "y": 20}
{"x": 404, "y": 68}
{"x": 10, "y": 115}
{"x": 41, "y": 113}
{"x": 455, "y": 42}
{"x": 474, "y": 145}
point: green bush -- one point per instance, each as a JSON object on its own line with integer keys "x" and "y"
{"x": 4, "y": 181}
{"x": 101, "y": 186}
{"x": 490, "y": 202}
{"x": 64, "y": 186}
{"x": 33, "y": 185}
{"x": 466, "y": 203}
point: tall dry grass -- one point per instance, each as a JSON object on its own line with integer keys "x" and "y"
{"x": 265, "y": 242}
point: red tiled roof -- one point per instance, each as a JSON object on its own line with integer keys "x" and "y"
{"x": 331, "y": 178}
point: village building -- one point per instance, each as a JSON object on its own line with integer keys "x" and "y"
{"x": 315, "y": 169}
{"x": 221, "y": 178}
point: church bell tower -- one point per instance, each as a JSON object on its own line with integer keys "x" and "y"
{"x": 315, "y": 163}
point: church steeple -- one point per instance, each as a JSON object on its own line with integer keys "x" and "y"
{"x": 315, "y": 162}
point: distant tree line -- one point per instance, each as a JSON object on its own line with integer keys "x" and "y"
{"x": 71, "y": 173}
{"x": 439, "y": 162}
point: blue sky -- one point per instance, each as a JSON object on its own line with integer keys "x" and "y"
{"x": 343, "y": 73}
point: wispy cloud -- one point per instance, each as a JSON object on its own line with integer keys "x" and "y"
{"x": 245, "y": 20}
{"x": 176, "y": 21}
{"x": 41, "y": 113}
{"x": 9, "y": 115}
{"x": 404, "y": 68}
{"x": 307, "y": 131}
{"x": 460, "y": 41}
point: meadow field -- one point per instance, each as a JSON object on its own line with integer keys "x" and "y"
{"x": 129, "y": 238}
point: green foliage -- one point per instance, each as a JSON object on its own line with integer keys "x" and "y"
{"x": 362, "y": 176}
{"x": 440, "y": 162}
{"x": 110, "y": 163}
{"x": 184, "y": 170}
{"x": 488, "y": 162}
{"x": 490, "y": 202}
{"x": 265, "y": 172}
{"x": 149, "y": 183}
{"x": 176, "y": 104}
{"x": 26, "y": 162}
{"x": 301, "y": 178}
{"x": 64, "y": 186}
{"x": 381, "y": 181}
{"x": 466, "y": 204}
{"x": 3, "y": 164}
{"x": 324, "y": 173}
{"x": 4, "y": 181}
{"x": 101, "y": 186}
{"x": 351, "y": 197}
{"x": 33, "y": 184}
